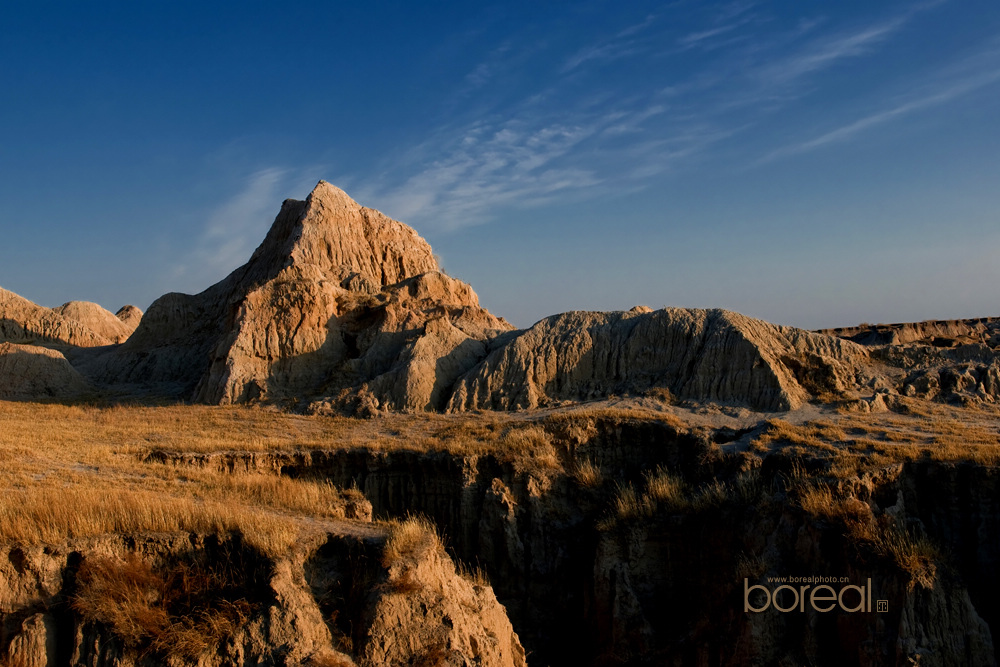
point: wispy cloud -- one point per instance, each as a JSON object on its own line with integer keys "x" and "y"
{"x": 945, "y": 92}
{"x": 528, "y": 161}
{"x": 772, "y": 70}
{"x": 735, "y": 10}
{"x": 233, "y": 229}
{"x": 624, "y": 43}
{"x": 695, "y": 38}
{"x": 490, "y": 165}
{"x": 562, "y": 140}
{"x": 828, "y": 51}
{"x": 601, "y": 52}
{"x": 486, "y": 70}
{"x": 636, "y": 27}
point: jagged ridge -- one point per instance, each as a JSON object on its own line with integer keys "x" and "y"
{"x": 337, "y": 296}
{"x": 342, "y": 307}
{"x": 713, "y": 355}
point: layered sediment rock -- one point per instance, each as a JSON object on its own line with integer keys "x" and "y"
{"x": 939, "y": 333}
{"x": 711, "y": 355}
{"x": 130, "y": 316}
{"x": 337, "y": 297}
{"x": 341, "y": 308}
{"x": 29, "y": 371}
{"x": 329, "y": 602}
{"x": 22, "y": 321}
{"x": 588, "y": 581}
{"x": 100, "y": 321}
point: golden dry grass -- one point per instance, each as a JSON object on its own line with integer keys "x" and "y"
{"x": 575, "y": 414}
{"x": 75, "y": 471}
{"x": 664, "y": 488}
{"x": 475, "y": 575}
{"x": 410, "y": 542}
{"x": 917, "y": 556}
{"x": 664, "y": 491}
{"x": 587, "y": 474}
{"x": 854, "y": 442}
{"x": 182, "y": 608}
{"x": 818, "y": 435}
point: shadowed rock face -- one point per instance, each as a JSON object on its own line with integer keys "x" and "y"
{"x": 29, "y": 371}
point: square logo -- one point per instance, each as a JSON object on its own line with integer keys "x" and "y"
{"x": 882, "y": 606}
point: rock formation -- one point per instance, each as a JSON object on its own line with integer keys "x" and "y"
{"x": 29, "y": 371}
{"x": 939, "y": 333}
{"x": 342, "y": 307}
{"x": 586, "y": 583}
{"x": 712, "y": 355}
{"x": 337, "y": 297}
{"x": 100, "y": 321}
{"x": 326, "y": 603}
{"x": 22, "y": 321}
{"x": 131, "y": 316}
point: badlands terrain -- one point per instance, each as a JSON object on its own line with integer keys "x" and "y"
{"x": 335, "y": 456}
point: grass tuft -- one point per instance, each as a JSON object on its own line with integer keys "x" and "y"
{"x": 178, "y": 609}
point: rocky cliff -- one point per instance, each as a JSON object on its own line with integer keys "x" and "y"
{"x": 635, "y": 546}
{"x": 115, "y": 328}
{"x": 341, "y": 308}
{"x": 338, "y": 298}
{"x": 213, "y": 600}
{"x": 22, "y": 321}
{"x": 710, "y": 355}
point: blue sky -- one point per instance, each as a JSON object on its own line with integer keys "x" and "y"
{"x": 813, "y": 164}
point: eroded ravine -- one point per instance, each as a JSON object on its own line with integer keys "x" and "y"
{"x": 585, "y": 582}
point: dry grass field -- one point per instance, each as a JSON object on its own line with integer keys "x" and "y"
{"x": 71, "y": 471}
{"x": 75, "y": 471}
{"x": 857, "y": 441}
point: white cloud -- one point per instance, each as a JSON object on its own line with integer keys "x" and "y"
{"x": 930, "y": 98}
{"x": 624, "y": 43}
{"x": 695, "y": 38}
{"x": 566, "y": 141}
{"x": 468, "y": 173}
{"x": 486, "y": 167}
{"x": 826, "y": 52}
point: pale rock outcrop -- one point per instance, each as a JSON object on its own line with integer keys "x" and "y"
{"x": 337, "y": 297}
{"x": 430, "y": 615}
{"x": 292, "y": 603}
{"x": 130, "y": 315}
{"x": 940, "y": 333}
{"x": 100, "y": 321}
{"x": 342, "y": 308}
{"x": 29, "y": 371}
{"x": 22, "y": 321}
{"x": 712, "y": 355}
